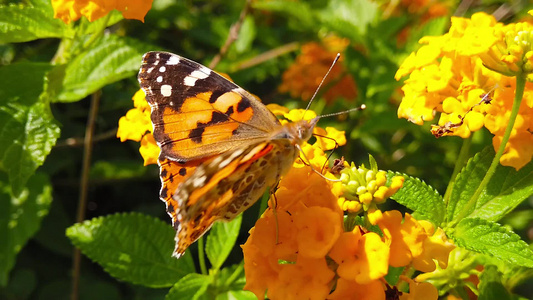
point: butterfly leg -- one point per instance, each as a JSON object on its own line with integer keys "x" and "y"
{"x": 273, "y": 206}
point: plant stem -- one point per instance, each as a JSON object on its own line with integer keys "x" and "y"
{"x": 459, "y": 164}
{"x": 519, "y": 93}
{"x": 84, "y": 185}
{"x": 234, "y": 275}
{"x": 201, "y": 255}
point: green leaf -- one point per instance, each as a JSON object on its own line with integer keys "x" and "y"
{"x": 506, "y": 189}
{"x": 493, "y": 239}
{"x": 220, "y": 241}
{"x": 246, "y": 35}
{"x": 88, "y": 27}
{"x": 419, "y": 197}
{"x": 350, "y": 18}
{"x": 22, "y": 23}
{"x": 110, "y": 59}
{"x": 132, "y": 247}
{"x": 192, "y": 286}
{"x": 20, "y": 218}
{"x": 298, "y": 12}
{"x": 27, "y": 128}
{"x": 490, "y": 285}
{"x": 236, "y": 295}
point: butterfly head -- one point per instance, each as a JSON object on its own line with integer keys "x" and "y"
{"x": 301, "y": 131}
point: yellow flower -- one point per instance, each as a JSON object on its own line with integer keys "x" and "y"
{"x": 136, "y": 126}
{"x": 461, "y": 76}
{"x": 412, "y": 241}
{"x": 362, "y": 258}
{"x": 72, "y": 10}
{"x": 302, "y": 78}
{"x": 149, "y": 149}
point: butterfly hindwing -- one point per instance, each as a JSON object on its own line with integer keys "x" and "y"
{"x": 225, "y": 186}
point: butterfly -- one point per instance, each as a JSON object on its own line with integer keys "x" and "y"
{"x": 221, "y": 148}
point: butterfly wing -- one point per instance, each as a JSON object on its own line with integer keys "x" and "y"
{"x": 223, "y": 187}
{"x": 196, "y": 113}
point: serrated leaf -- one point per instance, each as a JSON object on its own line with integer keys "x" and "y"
{"x": 132, "y": 247}
{"x": 350, "y": 18}
{"x": 27, "y": 128}
{"x": 20, "y": 218}
{"x": 22, "y": 23}
{"x": 420, "y": 197}
{"x": 192, "y": 286}
{"x": 493, "y": 239}
{"x": 220, "y": 241}
{"x": 506, "y": 189}
{"x": 112, "y": 18}
{"x": 110, "y": 59}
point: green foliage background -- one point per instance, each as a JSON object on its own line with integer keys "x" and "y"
{"x": 51, "y": 70}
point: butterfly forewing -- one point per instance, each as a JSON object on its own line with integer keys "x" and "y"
{"x": 197, "y": 113}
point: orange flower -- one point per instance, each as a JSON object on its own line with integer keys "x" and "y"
{"x": 347, "y": 289}
{"x": 72, "y": 10}
{"x": 318, "y": 228}
{"x": 308, "y": 278}
{"x": 303, "y": 77}
{"x": 419, "y": 290}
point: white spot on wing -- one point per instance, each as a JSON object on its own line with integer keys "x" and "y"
{"x": 202, "y": 73}
{"x": 162, "y": 69}
{"x": 173, "y": 60}
{"x": 150, "y": 70}
{"x": 159, "y": 79}
{"x": 166, "y": 90}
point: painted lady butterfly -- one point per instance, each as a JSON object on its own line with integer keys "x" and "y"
{"x": 220, "y": 147}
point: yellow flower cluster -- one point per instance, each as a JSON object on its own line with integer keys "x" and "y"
{"x": 136, "y": 126}
{"x": 463, "y": 75}
{"x": 364, "y": 188}
{"x": 303, "y": 250}
{"x": 303, "y": 77}
{"x": 72, "y": 10}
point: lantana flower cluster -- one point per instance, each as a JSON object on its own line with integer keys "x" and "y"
{"x": 304, "y": 247}
{"x": 72, "y": 10}
{"x": 466, "y": 76}
{"x": 136, "y": 126}
{"x": 306, "y": 73}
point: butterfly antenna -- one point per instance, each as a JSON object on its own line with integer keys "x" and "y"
{"x": 321, "y": 82}
{"x": 362, "y": 107}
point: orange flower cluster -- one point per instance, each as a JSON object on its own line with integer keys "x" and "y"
{"x": 303, "y": 77}
{"x": 462, "y": 75}
{"x": 72, "y": 10}
{"x": 303, "y": 250}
